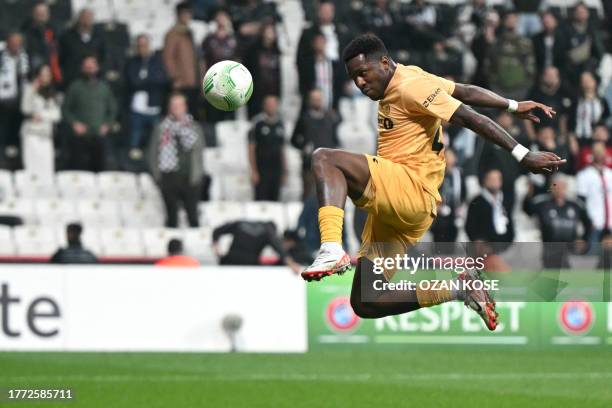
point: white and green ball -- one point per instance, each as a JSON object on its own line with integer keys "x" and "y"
{"x": 227, "y": 85}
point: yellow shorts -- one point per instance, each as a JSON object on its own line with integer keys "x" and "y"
{"x": 400, "y": 210}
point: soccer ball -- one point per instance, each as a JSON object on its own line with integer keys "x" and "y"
{"x": 227, "y": 85}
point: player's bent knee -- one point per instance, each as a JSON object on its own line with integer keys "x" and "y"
{"x": 321, "y": 155}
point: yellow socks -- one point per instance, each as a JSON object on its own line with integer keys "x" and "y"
{"x": 330, "y": 223}
{"x": 430, "y": 297}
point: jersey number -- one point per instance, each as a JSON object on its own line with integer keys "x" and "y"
{"x": 437, "y": 144}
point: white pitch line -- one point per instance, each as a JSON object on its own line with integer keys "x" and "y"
{"x": 366, "y": 377}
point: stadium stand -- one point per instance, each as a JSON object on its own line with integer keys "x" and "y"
{"x": 123, "y": 211}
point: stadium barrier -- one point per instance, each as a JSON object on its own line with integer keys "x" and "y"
{"x": 139, "y": 308}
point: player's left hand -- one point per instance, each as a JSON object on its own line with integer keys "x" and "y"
{"x": 526, "y": 110}
{"x": 542, "y": 162}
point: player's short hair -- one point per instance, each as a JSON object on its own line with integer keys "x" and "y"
{"x": 368, "y": 44}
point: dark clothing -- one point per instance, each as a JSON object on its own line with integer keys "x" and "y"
{"x": 91, "y": 102}
{"x": 42, "y": 48}
{"x": 216, "y": 48}
{"x": 551, "y": 54}
{"x": 269, "y": 140}
{"x": 479, "y": 223}
{"x": 584, "y": 115}
{"x": 453, "y": 193}
{"x": 558, "y": 100}
{"x": 558, "y": 224}
{"x": 73, "y": 254}
{"x": 265, "y": 66}
{"x": 175, "y": 188}
{"x": 250, "y": 238}
{"x": 148, "y": 75}
{"x": 583, "y": 51}
{"x": 87, "y": 153}
{"x": 308, "y": 79}
{"x": 73, "y": 48}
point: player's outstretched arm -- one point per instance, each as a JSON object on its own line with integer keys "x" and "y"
{"x": 476, "y": 96}
{"x": 536, "y": 162}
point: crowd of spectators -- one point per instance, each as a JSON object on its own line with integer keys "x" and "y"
{"x": 77, "y": 96}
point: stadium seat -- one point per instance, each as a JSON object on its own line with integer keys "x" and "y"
{"x": 55, "y": 212}
{"x": 141, "y": 214}
{"x": 121, "y": 242}
{"x": 29, "y": 185}
{"x": 266, "y": 211}
{"x": 116, "y": 185}
{"x": 149, "y": 189}
{"x": 198, "y": 243}
{"x": 7, "y": 190}
{"x": 156, "y": 240}
{"x": 78, "y": 185}
{"x": 237, "y": 188}
{"x": 7, "y": 248}
{"x": 232, "y": 134}
{"x": 19, "y": 207}
{"x": 99, "y": 213}
{"x": 215, "y": 213}
{"x": 35, "y": 241}
{"x": 292, "y": 214}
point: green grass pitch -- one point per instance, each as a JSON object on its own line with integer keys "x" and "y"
{"x": 415, "y": 377}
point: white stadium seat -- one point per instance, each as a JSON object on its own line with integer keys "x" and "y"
{"x": 29, "y": 185}
{"x": 237, "y": 187}
{"x": 78, "y": 185}
{"x": 198, "y": 243}
{"x": 149, "y": 189}
{"x": 215, "y": 213}
{"x": 233, "y": 134}
{"x": 55, "y": 212}
{"x": 141, "y": 214}
{"x": 118, "y": 185}
{"x": 121, "y": 242}
{"x": 99, "y": 213}
{"x": 156, "y": 240}
{"x": 7, "y": 248}
{"x": 266, "y": 211}
{"x": 293, "y": 210}
{"x": 7, "y": 190}
{"x": 35, "y": 241}
{"x": 19, "y": 207}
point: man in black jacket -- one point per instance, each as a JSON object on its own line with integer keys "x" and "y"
{"x": 548, "y": 44}
{"x": 147, "y": 83}
{"x": 41, "y": 40}
{"x": 249, "y": 240}
{"x": 74, "y": 253}
{"x": 487, "y": 219}
{"x": 559, "y": 219}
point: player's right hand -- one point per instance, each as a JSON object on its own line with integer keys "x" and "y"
{"x": 526, "y": 110}
{"x": 542, "y": 162}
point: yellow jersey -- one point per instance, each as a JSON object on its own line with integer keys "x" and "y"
{"x": 409, "y": 123}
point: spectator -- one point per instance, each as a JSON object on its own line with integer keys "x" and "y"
{"x": 336, "y": 35}
{"x": 296, "y": 248}
{"x": 453, "y": 195}
{"x": 14, "y": 69}
{"x": 218, "y": 46}
{"x": 594, "y": 188}
{"x": 323, "y": 73}
{"x": 494, "y": 157}
{"x": 421, "y": 19}
{"x": 175, "y": 159}
{"x": 41, "y": 109}
{"x": 588, "y": 110}
{"x": 249, "y": 240}
{"x": 380, "y": 18}
{"x": 487, "y": 219}
{"x": 315, "y": 128}
{"x": 585, "y": 156}
{"x": 267, "y": 151}
{"x": 512, "y": 63}
{"x": 176, "y": 258}
{"x": 146, "y": 83}
{"x": 528, "y": 21}
{"x": 74, "y": 253}
{"x": 559, "y": 220}
{"x": 549, "y": 92}
{"x": 77, "y": 43}
{"x": 548, "y": 44}
{"x": 443, "y": 61}
{"x": 249, "y": 17}
{"x": 90, "y": 110}
{"x": 180, "y": 57}
{"x": 473, "y": 14}
{"x": 583, "y": 46}
{"x": 263, "y": 59}
{"x": 483, "y": 48}
{"x": 41, "y": 41}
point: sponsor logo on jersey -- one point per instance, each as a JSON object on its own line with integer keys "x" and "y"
{"x": 431, "y": 97}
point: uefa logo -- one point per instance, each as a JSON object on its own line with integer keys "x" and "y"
{"x": 576, "y": 317}
{"x": 340, "y": 315}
